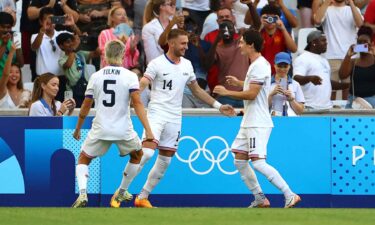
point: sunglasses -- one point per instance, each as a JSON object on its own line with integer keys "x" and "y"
{"x": 52, "y": 42}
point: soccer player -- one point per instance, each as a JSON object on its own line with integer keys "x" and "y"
{"x": 168, "y": 75}
{"x": 112, "y": 87}
{"x": 256, "y": 125}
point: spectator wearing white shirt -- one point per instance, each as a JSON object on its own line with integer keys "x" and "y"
{"x": 313, "y": 73}
{"x": 340, "y": 23}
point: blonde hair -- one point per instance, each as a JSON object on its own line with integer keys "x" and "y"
{"x": 114, "y": 52}
{"x": 111, "y": 12}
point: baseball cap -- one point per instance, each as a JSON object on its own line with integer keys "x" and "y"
{"x": 313, "y": 35}
{"x": 283, "y": 57}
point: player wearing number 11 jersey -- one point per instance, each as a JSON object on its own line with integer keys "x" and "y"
{"x": 112, "y": 87}
{"x": 168, "y": 75}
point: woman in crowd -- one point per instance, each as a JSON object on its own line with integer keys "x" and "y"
{"x": 43, "y": 101}
{"x": 361, "y": 70}
{"x": 12, "y": 94}
{"x": 117, "y": 17}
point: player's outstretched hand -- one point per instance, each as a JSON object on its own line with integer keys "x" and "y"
{"x": 77, "y": 134}
{"x": 227, "y": 110}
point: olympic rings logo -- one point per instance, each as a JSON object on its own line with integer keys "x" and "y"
{"x": 207, "y": 154}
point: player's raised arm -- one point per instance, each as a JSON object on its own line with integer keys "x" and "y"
{"x": 141, "y": 113}
{"x": 198, "y": 92}
{"x": 85, "y": 109}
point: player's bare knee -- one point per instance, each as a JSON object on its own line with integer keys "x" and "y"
{"x": 241, "y": 156}
{"x": 136, "y": 156}
{"x": 83, "y": 159}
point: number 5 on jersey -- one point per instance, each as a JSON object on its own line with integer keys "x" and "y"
{"x": 108, "y": 91}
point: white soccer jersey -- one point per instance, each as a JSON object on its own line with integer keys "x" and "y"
{"x": 257, "y": 111}
{"x": 111, "y": 87}
{"x": 168, "y": 81}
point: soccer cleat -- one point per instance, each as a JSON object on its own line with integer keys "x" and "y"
{"x": 81, "y": 201}
{"x": 142, "y": 203}
{"x": 292, "y": 201}
{"x": 118, "y": 198}
{"x": 261, "y": 203}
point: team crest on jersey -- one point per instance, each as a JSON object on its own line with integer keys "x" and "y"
{"x": 185, "y": 74}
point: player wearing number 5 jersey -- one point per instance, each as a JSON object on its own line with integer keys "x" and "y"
{"x": 112, "y": 88}
{"x": 168, "y": 75}
{"x": 251, "y": 141}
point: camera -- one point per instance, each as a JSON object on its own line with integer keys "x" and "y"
{"x": 58, "y": 20}
{"x": 224, "y": 28}
{"x": 271, "y": 19}
{"x": 360, "y": 48}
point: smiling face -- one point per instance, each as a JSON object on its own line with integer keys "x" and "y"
{"x": 14, "y": 75}
{"x": 118, "y": 16}
{"x": 51, "y": 88}
{"x": 180, "y": 45}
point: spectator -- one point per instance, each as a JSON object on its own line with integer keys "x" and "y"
{"x": 156, "y": 15}
{"x": 210, "y": 23}
{"x": 48, "y": 52}
{"x": 43, "y": 101}
{"x": 229, "y": 60}
{"x": 276, "y": 37}
{"x": 9, "y": 6}
{"x": 199, "y": 10}
{"x": 196, "y": 53}
{"x": 6, "y": 23}
{"x": 370, "y": 17}
{"x": 74, "y": 66}
{"x": 93, "y": 15}
{"x": 117, "y": 19}
{"x": 313, "y": 73}
{"x": 12, "y": 94}
{"x": 360, "y": 70}
{"x": 339, "y": 22}
{"x": 287, "y": 16}
{"x": 305, "y": 11}
{"x": 286, "y": 97}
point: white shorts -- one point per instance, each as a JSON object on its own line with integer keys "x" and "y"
{"x": 167, "y": 134}
{"x": 252, "y": 141}
{"x": 93, "y": 147}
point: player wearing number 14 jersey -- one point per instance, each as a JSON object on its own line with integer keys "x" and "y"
{"x": 112, "y": 87}
{"x": 168, "y": 75}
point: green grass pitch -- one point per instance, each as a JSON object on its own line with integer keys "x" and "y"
{"x": 177, "y": 216}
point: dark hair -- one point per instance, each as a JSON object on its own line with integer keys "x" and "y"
{"x": 63, "y": 37}
{"x": 44, "y": 12}
{"x": 215, "y": 5}
{"x": 364, "y": 30}
{"x": 251, "y": 36}
{"x": 270, "y": 9}
{"x": 174, "y": 33}
{"x": 20, "y": 82}
{"x": 6, "y": 19}
{"x": 190, "y": 23}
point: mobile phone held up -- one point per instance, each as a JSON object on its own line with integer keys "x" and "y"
{"x": 360, "y": 48}
{"x": 58, "y": 20}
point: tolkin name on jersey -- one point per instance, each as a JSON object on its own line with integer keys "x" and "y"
{"x": 111, "y": 71}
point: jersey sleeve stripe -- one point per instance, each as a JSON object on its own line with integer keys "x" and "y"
{"x": 132, "y": 90}
{"x": 148, "y": 77}
{"x": 256, "y": 82}
{"x": 167, "y": 148}
{"x": 89, "y": 96}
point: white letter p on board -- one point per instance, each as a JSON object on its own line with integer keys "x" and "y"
{"x": 354, "y": 153}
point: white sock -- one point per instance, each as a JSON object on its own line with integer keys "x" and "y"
{"x": 82, "y": 173}
{"x": 248, "y": 176}
{"x": 157, "y": 172}
{"x": 130, "y": 171}
{"x": 147, "y": 155}
{"x": 273, "y": 176}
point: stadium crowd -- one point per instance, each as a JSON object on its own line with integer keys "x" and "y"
{"x": 63, "y": 42}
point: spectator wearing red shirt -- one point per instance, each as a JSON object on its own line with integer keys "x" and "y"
{"x": 276, "y": 37}
{"x": 369, "y": 17}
